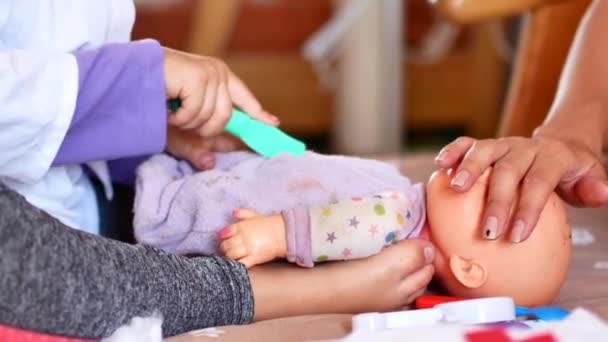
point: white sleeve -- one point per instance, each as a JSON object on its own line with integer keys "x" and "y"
{"x": 38, "y": 93}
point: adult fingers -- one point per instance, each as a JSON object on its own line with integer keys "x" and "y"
{"x": 503, "y": 189}
{"x": 478, "y": 158}
{"x": 452, "y": 154}
{"x": 584, "y": 184}
{"x": 592, "y": 191}
{"x": 536, "y": 187}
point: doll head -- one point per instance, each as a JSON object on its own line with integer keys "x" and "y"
{"x": 531, "y": 272}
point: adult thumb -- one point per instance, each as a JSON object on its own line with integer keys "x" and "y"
{"x": 592, "y": 191}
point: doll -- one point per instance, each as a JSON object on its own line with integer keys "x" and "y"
{"x": 318, "y": 208}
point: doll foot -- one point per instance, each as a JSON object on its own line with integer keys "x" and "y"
{"x": 255, "y": 239}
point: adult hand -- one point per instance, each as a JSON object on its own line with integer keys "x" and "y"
{"x": 526, "y": 171}
{"x": 207, "y": 90}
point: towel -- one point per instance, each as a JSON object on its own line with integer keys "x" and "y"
{"x": 180, "y": 210}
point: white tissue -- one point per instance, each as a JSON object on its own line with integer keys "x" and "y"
{"x": 582, "y": 237}
{"x": 139, "y": 330}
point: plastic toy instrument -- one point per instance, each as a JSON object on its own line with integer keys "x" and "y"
{"x": 264, "y": 139}
{"x": 543, "y": 313}
{"x": 434, "y": 310}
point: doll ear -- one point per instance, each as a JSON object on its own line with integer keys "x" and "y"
{"x": 468, "y": 272}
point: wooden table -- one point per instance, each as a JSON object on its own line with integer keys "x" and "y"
{"x": 585, "y": 286}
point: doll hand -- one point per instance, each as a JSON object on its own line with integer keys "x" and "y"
{"x": 207, "y": 90}
{"x": 255, "y": 239}
{"x": 540, "y": 164}
{"x": 200, "y": 152}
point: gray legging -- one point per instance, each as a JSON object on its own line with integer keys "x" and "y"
{"x": 54, "y": 279}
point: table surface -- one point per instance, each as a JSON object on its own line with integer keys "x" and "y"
{"x": 586, "y": 284}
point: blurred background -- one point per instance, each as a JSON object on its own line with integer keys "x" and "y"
{"x": 352, "y": 76}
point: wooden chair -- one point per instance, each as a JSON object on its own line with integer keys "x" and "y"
{"x": 544, "y": 44}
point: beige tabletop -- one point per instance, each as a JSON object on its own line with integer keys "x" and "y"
{"x": 586, "y": 285}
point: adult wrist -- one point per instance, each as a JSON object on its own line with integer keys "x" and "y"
{"x": 583, "y": 124}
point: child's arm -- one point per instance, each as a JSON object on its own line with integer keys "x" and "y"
{"x": 348, "y": 229}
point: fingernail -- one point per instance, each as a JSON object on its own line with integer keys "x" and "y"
{"x": 429, "y": 254}
{"x": 491, "y": 228}
{"x": 517, "y": 234}
{"x": 224, "y": 232}
{"x": 275, "y": 119}
{"x": 442, "y": 156}
{"x": 235, "y": 212}
{"x": 460, "y": 179}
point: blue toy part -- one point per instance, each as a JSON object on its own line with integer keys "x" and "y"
{"x": 543, "y": 313}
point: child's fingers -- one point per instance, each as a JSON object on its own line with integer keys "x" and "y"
{"x": 242, "y": 96}
{"x": 244, "y": 214}
{"x": 189, "y": 109}
{"x": 244, "y": 99}
{"x": 226, "y": 143}
{"x": 415, "y": 253}
{"x": 478, "y": 159}
{"x": 503, "y": 189}
{"x": 204, "y": 160}
{"x": 416, "y": 283}
{"x": 221, "y": 114}
{"x": 452, "y": 154}
{"x": 207, "y": 109}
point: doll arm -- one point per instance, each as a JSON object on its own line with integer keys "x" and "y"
{"x": 352, "y": 228}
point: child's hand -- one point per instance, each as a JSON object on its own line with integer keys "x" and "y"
{"x": 207, "y": 90}
{"x": 200, "y": 152}
{"x": 539, "y": 164}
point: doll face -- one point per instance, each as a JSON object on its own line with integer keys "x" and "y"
{"x": 531, "y": 272}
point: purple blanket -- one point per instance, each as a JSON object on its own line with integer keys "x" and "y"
{"x": 180, "y": 210}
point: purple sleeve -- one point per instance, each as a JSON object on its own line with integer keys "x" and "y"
{"x": 122, "y": 171}
{"x": 121, "y": 106}
{"x": 297, "y": 232}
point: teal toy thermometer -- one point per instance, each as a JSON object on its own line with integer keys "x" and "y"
{"x": 264, "y": 139}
